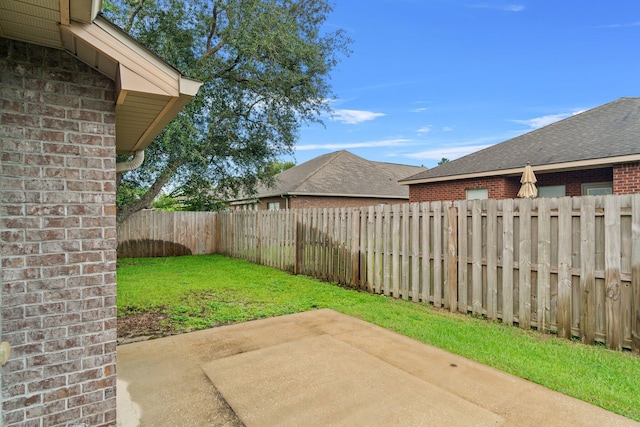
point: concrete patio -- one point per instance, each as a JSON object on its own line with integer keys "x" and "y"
{"x": 324, "y": 368}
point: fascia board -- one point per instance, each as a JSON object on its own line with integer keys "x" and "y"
{"x": 123, "y": 49}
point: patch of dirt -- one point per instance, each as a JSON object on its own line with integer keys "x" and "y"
{"x": 140, "y": 326}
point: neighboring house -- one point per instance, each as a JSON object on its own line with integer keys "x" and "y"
{"x": 75, "y": 90}
{"x": 339, "y": 179}
{"x": 590, "y": 153}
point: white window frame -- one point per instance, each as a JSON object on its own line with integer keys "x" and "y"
{"x": 273, "y": 206}
{"x": 596, "y": 188}
{"x": 552, "y": 191}
{"x": 477, "y": 193}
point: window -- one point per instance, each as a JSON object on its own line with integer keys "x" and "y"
{"x": 477, "y": 194}
{"x": 597, "y": 188}
{"x": 273, "y": 206}
{"x": 552, "y": 191}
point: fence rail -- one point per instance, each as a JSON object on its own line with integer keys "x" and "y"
{"x": 570, "y": 266}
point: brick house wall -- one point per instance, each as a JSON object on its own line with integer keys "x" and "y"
{"x": 501, "y": 187}
{"x": 306, "y": 202}
{"x": 58, "y": 239}
{"x": 626, "y": 178}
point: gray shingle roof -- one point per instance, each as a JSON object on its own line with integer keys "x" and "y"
{"x": 611, "y": 130}
{"x": 342, "y": 173}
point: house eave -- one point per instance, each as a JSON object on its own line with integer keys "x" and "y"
{"x": 547, "y": 168}
{"x": 150, "y": 92}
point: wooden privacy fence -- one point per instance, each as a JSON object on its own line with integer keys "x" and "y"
{"x": 569, "y": 266}
{"x": 158, "y": 234}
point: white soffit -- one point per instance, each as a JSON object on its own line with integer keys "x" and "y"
{"x": 150, "y": 93}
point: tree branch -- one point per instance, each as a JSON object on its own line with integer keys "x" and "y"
{"x": 214, "y": 22}
{"x": 212, "y": 31}
{"x": 132, "y": 16}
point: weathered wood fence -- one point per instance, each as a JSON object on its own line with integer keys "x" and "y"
{"x": 157, "y": 234}
{"x": 569, "y": 266}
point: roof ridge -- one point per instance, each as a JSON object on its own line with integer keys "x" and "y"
{"x": 334, "y": 155}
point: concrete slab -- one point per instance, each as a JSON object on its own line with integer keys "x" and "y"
{"x": 325, "y": 368}
{"x": 324, "y": 381}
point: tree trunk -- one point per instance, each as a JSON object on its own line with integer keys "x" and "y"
{"x": 145, "y": 201}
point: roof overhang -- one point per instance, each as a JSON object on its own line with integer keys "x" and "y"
{"x": 150, "y": 93}
{"x": 547, "y": 168}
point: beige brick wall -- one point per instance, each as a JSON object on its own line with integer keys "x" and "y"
{"x": 57, "y": 239}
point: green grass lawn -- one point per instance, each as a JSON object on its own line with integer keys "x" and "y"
{"x": 197, "y": 292}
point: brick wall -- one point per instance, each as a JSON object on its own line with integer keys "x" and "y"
{"x": 507, "y": 187}
{"x": 626, "y": 178}
{"x": 498, "y": 188}
{"x": 57, "y": 240}
{"x": 573, "y": 180}
{"x": 306, "y": 202}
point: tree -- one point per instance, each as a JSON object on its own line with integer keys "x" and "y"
{"x": 443, "y": 161}
{"x": 264, "y": 65}
{"x": 277, "y": 166}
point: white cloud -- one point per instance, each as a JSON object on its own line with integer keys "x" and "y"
{"x": 633, "y": 24}
{"x": 447, "y": 129}
{"x": 419, "y": 110}
{"x": 450, "y": 153}
{"x": 507, "y": 8}
{"x": 367, "y": 144}
{"x": 424, "y": 129}
{"x": 514, "y": 8}
{"x": 352, "y": 117}
{"x": 542, "y": 121}
{"x": 538, "y": 122}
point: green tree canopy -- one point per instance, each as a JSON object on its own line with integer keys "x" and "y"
{"x": 265, "y": 67}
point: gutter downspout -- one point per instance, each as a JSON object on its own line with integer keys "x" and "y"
{"x": 286, "y": 201}
{"x": 135, "y": 163}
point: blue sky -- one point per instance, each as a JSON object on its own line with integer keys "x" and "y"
{"x": 442, "y": 78}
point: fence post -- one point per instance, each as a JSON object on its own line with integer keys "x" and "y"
{"x": 452, "y": 253}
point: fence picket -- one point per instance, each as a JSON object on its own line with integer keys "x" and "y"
{"x": 635, "y": 273}
{"x": 507, "y": 261}
{"x": 395, "y": 251}
{"x": 524, "y": 266}
{"x": 404, "y": 237}
{"x": 612, "y": 273}
{"x": 415, "y": 252}
{"x": 564, "y": 268}
{"x": 544, "y": 270}
{"x": 425, "y": 251}
{"x": 463, "y": 266}
{"x": 476, "y": 257}
{"x": 492, "y": 259}
{"x": 587, "y": 271}
{"x": 437, "y": 254}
